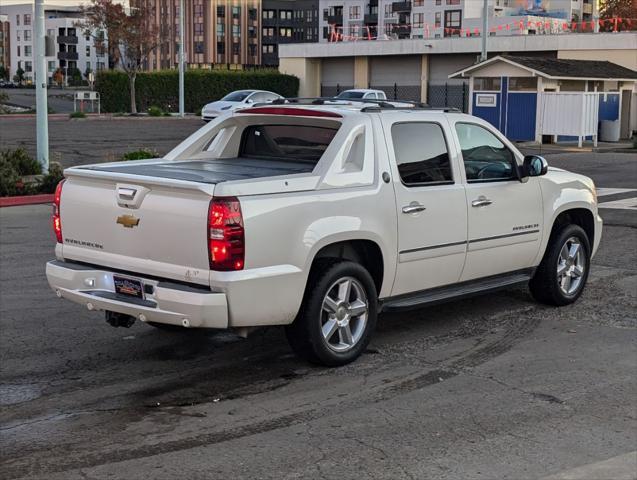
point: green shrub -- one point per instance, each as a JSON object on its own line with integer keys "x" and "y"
{"x": 140, "y": 154}
{"x": 20, "y": 160}
{"x": 15, "y": 164}
{"x": 51, "y": 179}
{"x": 77, "y": 115}
{"x": 155, "y": 111}
{"x": 161, "y": 88}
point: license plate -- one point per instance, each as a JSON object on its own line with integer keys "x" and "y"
{"x": 130, "y": 287}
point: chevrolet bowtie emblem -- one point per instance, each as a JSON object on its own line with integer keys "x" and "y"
{"x": 128, "y": 221}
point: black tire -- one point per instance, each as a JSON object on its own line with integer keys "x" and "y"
{"x": 305, "y": 334}
{"x": 545, "y": 285}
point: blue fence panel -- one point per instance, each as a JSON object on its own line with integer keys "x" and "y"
{"x": 521, "y": 111}
{"x": 490, "y": 114}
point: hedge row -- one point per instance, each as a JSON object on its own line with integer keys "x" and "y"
{"x": 161, "y": 89}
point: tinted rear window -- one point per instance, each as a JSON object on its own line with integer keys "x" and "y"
{"x": 286, "y": 142}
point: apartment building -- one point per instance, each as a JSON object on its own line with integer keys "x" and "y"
{"x": 287, "y": 21}
{"x": 217, "y": 32}
{"x": 229, "y": 33}
{"x": 387, "y": 19}
{"x": 5, "y": 58}
{"x": 66, "y": 47}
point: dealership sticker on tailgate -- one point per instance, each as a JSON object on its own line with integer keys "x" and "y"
{"x": 130, "y": 287}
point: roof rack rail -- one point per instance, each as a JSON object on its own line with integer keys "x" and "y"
{"x": 373, "y": 105}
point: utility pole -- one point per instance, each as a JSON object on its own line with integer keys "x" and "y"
{"x": 182, "y": 56}
{"x": 485, "y": 28}
{"x": 42, "y": 125}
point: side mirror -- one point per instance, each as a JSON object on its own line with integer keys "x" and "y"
{"x": 249, "y": 100}
{"x": 534, "y": 166}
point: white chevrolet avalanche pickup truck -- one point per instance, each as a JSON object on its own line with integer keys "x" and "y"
{"x": 318, "y": 217}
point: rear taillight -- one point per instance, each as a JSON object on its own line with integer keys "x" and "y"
{"x": 226, "y": 241}
{"x": 55, "y": 217}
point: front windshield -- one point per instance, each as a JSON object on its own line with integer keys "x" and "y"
{"x": 351, "y": 95}
{"x": 239, "y": 96}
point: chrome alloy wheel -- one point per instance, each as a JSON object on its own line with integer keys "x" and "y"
{"x": 570, "y": 266}
{"x": 344, "y": 314}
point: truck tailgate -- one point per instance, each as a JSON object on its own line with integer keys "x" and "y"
{"x": 137, "y": 225}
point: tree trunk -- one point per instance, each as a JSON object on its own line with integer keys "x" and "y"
{"x": 131, "y": 82}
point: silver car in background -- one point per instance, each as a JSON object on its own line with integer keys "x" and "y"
{"x": 235, "y": 101}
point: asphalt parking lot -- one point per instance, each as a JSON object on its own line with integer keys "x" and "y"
{"x": 491, "y": 387}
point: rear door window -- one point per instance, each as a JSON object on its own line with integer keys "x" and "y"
{"x": 286, "y": 142}
{"x": 421, "y": 153}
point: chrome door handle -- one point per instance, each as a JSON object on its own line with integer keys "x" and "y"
{"x": 414, "y": 207}
{"x": 481, "y": 201}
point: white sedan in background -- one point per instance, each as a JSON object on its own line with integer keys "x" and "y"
{"x": 236, "y": 101}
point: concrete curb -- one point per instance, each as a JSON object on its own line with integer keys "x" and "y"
{"x": 26, "y": 200}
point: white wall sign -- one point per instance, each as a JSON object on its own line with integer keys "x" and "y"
{"x": 486, "y": 100}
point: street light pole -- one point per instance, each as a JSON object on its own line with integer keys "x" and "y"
{"x": 42, "y": 125}
{"x": 182, "y": 67}
{"x": 485, "y": 28}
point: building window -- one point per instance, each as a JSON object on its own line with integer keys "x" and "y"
{"x": 51, "y": 66}
{"x": 268, "y": 49}
{"x": 419, "y": 20}
{"x": 453, "y": 21}
{"x": 438, "y": 2}
{"x": 100, "y": 66}
{"x": 221, "y": 48}
{"x": 326, "y": 32}
{"x": 285, "y": 14}
{"x": 524, "y": 84}
{"x": 236, "y": 48}
{"x": 389, "y": 12}
{"x": 198, "y": 10}
{"x": 453, "y": 2}
{"x": 199, "y": 47}
{"x": 252, "y": 50}
{"x": 486, "y": 84}
{"x": 27, "y": 19}
{"x": 198, "y": 28}
{"x": 221, "y": 11}
{"x": 28, "y": 66}
{"x": 88, "y": 51}
{"x": 236, "y": 11}
{"x": 268, "y": 14}
{"x": 88, "y": 66}
{"x": 19, "y": 51}
{"x": 236, "y": 30}
{"x": 27, "y": 50}
{"x": 418, "y": 3}
{"x": 252, "y": 13}
{"x": 438, "y": 21}
{"x": 27, "y": 35}
{"x": 355, "y": 12}
{"x": 325, "y": 14}
{"x": 268, "y": 31}
{"x": 221, "y": 29}
{"x": 17, "y": 20}
{"x": 285, "y": 32}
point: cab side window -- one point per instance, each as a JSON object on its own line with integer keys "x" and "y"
{"x": 421, "y": 153}
{"x": 485, "y": 157}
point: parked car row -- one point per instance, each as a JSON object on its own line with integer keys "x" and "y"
{"x": 245, "y": 98}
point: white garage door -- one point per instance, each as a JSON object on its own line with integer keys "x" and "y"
{"x": 398, "y": 76}
{"x": 337, "y": 74}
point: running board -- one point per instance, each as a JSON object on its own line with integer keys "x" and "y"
{"x": 452, "y": 292}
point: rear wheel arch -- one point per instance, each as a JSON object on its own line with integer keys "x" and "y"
{"x": 367, "y": 253}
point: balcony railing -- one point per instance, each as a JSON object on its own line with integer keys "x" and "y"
{"x": 68, "y": 56}
{"x": 402, "y": 31}
{"x": 70, "y": 39}
{"x": 370, "y": 18}
{"x": 401, "y": 7}
{"x": 335, "y": 19}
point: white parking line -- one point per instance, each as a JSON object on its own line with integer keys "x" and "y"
{"x": 625, "y": 204}
{"x": 602, "y": 192}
